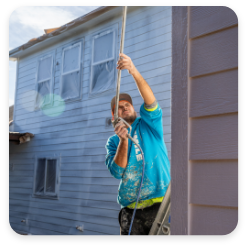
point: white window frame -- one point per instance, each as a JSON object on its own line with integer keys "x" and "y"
{"x": 51, "y": 78}
{"x": 102, "y": 33}
{"x": 80, "y": 62}
{"x": 49, "y": 195}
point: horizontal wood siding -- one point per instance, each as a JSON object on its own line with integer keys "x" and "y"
{"x": 214, "y": 137}
{"x": 206, "y": 19}
{"x": 214, "y": 94}
{"x": 214, "y": 52}
{"x": 208, "y": 220}
{"x": 214, "y": 183}
{"x": 213, "y": 115}
{"x": 78, "y": 133}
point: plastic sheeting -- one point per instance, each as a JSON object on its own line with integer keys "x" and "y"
{"x": 44, "y": 71}
{"x": 70, "y": 78}
{"x": 43, "y": 96}
{"x": 103, "y": 72}
{"x": 103, "y": 77}
{"x": 44, "y": 77}
{"x": 103, "y": 47}
{"x": 70, "y": 85}
{"x": 71, "y": 59}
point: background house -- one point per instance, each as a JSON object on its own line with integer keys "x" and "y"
{"x": 59, "y": 180}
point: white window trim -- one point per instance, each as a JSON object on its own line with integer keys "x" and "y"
{"x": 47, "y": 194}
{"x": 79, "y": 43}
{"x": 112, "y": 30}
{"x": 51, "y": 78}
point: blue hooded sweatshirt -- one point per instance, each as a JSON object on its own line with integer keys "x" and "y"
{"x": 148, "y": 131}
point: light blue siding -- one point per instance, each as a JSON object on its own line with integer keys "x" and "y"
{"x": 87, "y": 191}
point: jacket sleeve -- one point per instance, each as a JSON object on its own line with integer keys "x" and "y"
{"x": 152, "y": 116}
{"x": 115, "y": 170}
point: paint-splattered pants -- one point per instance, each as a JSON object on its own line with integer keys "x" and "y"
{"x": 143, "y": 219}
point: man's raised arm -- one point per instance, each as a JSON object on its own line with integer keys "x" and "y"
{"x": 144, "y": 88}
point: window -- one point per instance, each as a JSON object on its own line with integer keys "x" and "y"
{"x": 44, "y": 82}
{"x": 70, "y": 86}
{"x": 103, "y": 62}
{"x": 46, "y": 178}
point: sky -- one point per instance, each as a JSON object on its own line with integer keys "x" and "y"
{"x": 26, "y": 23}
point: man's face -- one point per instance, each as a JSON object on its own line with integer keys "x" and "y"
{"x": 127, "y": 112}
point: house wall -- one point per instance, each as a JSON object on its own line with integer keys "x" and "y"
{"x": 87, "y": 191}
{"x": 213, "y": 115}
{"x": 179, "y": 122}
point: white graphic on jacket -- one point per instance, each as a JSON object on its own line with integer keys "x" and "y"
{"x": 137, "y": 150}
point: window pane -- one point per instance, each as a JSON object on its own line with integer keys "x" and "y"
{"x": 51, "y": 176}
{"x": 71, "y": 59}
{"x": 40, "y": 176}
{"x": 70, "y": 87}
{"x": 103, "y": 76}
{"x": 43, "y": 96}
{"x": 44, "y": 70}
{"x": 103, "y": 47}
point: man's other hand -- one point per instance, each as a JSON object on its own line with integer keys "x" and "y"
{"x": 121, "y": 131}
{"x": 125, "y": 63}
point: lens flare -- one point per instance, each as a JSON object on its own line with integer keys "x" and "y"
{"x": 56, "y": 109}
{"x": 51, "y": 105}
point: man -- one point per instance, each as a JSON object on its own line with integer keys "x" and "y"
{"x": 124, "y": 159}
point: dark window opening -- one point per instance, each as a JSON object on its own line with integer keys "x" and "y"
{"x": 46, "y": 178}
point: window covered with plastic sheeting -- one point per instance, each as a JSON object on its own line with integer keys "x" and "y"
{"x": 103, "y": 62}
{"x": 44, "y": 80}
{"x": 70, "y": 86}
{"x": 46, "y": 178}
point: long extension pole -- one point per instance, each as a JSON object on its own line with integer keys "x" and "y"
{"x": 124, "y": 16}
{"x": 117, "y": 105}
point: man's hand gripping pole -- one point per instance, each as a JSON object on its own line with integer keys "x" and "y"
{"x": 119, "y": 119}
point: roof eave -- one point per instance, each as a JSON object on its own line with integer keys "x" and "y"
{"x": 16, "y": 52}
{"x": 12, "y": 53}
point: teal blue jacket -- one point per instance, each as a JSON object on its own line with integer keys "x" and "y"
{"x": 148, "y": 131}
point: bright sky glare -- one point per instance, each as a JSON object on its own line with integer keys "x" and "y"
{"x": 26, "y": 23}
